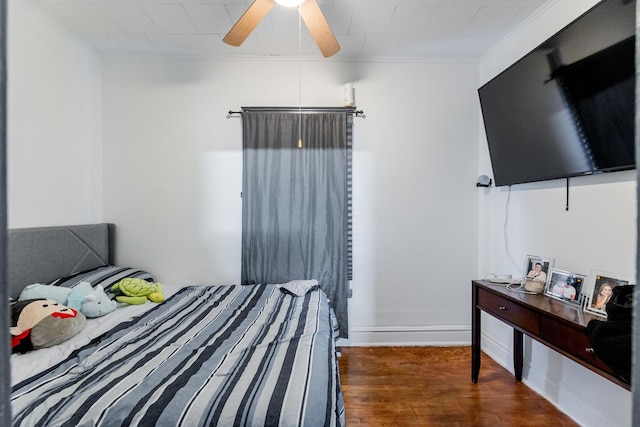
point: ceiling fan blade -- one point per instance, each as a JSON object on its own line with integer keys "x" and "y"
{"x": 319, "y": 28}
{"x": 248, "y": 21}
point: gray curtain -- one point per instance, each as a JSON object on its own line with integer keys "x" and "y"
{"x": 295, "y": 201}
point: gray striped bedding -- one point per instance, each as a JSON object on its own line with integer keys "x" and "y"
{"x": 209, "y": 355}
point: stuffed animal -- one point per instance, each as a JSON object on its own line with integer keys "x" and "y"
{"x": 38, "y": 323}
{"x": 137, "y": 291}
{"x": 92, "y": 302}
{"x": 96, "y": 303}
{"x": 35, "y": 291}
{"x": 77, "y": 295}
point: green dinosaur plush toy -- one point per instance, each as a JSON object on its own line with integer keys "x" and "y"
{"x": 137, "y": 291}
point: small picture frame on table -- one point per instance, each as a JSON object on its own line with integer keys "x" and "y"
{"x": 566, "y": 286}
{"x": 599, "y": 289}
{"x": 537, "y": 268}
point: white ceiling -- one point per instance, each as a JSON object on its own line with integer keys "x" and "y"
{"x": 369, "y": 29}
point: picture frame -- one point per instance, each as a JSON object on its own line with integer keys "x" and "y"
{"x": 566, "y": 286}
{"x": 599, "y": 288}
{"x": 541, "y": 273}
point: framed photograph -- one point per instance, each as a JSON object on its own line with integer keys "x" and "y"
{"x": 566, "y": 286}
{"x": 599, "y": 289}
{"x": 537, "y": 268}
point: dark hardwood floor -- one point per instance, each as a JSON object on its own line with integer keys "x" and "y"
{"x": 431, "y": 386}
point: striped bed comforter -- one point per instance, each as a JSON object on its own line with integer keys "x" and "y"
{"x": 209, "y": 355}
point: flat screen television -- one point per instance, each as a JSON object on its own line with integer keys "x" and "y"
{"x": 567, "y": 108}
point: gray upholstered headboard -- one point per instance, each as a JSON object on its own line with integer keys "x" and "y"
{"x": 42, "y": 254}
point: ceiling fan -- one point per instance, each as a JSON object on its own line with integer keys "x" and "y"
{"x": 309, "y": 11}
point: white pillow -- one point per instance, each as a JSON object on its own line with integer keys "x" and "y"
{"x": 299, "y": 287}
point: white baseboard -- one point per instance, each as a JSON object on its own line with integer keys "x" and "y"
{"x": 564, "y": 391}
{"x": 441, "y": 335}
{"x": 498, "y": 352}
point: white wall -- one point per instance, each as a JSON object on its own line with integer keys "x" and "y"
{"x": 173, "y": 178}
{"x": 54, "y": 133}
{"x": 598, "y": 232}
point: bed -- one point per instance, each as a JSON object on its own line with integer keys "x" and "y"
{"x": 259, "y": 355}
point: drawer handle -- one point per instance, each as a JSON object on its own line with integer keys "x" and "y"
{"x": 589, "y": 350}
{"x": 502, "y": 307}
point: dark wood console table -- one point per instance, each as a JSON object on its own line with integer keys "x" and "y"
{"x": 551, "y": 322}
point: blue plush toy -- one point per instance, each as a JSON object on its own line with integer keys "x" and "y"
{"x": 97, "y": 303}
{"x": 92, "y": 302}
{"x": 36, "y": 291}
{"x": 76, "y": 295}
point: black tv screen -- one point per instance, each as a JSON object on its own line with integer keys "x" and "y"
{"x": 567, "y": 108}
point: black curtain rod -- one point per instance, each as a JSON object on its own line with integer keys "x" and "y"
{"x": 307, "y": 110}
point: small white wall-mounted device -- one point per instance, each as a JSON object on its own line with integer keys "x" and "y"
{"x": 349, "y": 100}
{"x": 483, "y": 181}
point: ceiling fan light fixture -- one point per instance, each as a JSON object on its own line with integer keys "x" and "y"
{"x": 309, "y": 12}
{"x": 290, "y": 3}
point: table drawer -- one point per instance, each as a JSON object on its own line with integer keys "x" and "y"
{"x": 509, "y": 311}
{"x": 570, "y": 340}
